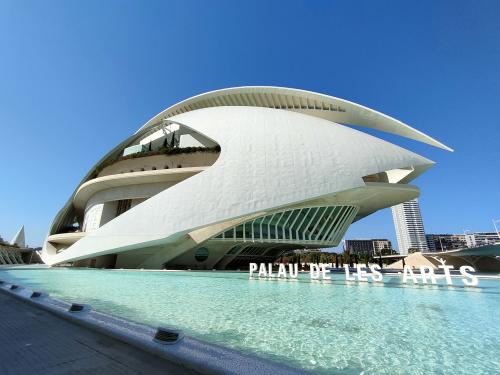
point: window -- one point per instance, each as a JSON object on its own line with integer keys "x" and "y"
{"x": 93, "y": 218}
{"x": 201, "y": 254}
{"x": 123, "y": 206}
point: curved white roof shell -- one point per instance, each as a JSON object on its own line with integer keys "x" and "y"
{"x": 314, "y": 104}
{"x": 269, "y": 159}
{"x": 280, "y": 149}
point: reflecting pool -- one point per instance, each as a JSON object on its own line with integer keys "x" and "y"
{"x": 328, "y": 327}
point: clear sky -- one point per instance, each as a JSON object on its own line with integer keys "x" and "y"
{"x": 77, "y": 77}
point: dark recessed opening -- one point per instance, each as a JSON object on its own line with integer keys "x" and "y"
{"x": 167, "y": 336}
{"x": 76, "y": 307}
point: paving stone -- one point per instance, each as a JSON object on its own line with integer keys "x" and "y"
{"x": 33, "y": 341}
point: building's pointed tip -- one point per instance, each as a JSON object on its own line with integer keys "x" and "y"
{"x": 19, "y": 239}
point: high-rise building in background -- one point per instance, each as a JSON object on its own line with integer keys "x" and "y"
{"x": 368, "y": 246}
{"x": 409, "y": 227}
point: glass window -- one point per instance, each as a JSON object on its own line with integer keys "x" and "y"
{"x": 201, "y": 254}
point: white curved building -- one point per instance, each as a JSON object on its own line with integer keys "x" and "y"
{"x": 235, "y": 176}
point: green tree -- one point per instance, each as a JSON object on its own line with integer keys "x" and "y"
{"x": 324, "y": 258}
{"x": 172, "y": 141}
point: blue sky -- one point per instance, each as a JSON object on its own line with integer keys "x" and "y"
{"x": 78, "y": 77}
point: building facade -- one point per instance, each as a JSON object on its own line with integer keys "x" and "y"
{"x": 235, "y": 176}
{"x": 481, "y": 239}
{"x": 409, "y": 227}
{"x": 382, "y": 246}
{"x": 444, "y": 242}
{"x": 372, "y": 247}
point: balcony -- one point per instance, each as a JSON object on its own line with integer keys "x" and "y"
{"x": 171, "y": 175}
{"x": 164, "y": 158}
{"x": 66, "y": 239}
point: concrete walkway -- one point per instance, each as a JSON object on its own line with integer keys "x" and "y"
{"x": 33, "y": 341}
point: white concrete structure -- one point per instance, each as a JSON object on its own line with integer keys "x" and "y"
{"x": 409, "y": 227}
{"x": 19, "y": 239}
{"x": 273, "y": 169}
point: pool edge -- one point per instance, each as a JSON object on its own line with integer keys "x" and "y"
{"x": 188, "y": 352}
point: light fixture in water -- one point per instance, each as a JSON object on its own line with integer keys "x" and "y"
{"x": 168, "y": 336}
{"x": 78, "y": 307}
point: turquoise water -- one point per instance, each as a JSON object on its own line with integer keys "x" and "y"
{"x": 329, "y": 328}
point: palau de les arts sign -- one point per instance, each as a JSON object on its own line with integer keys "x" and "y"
{"x": 319, "y": 271}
